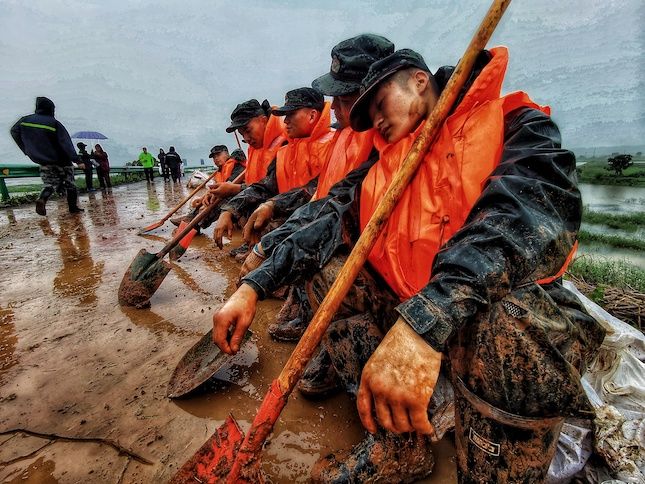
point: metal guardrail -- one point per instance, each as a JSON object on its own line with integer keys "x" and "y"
{"x": 27, "y": 171}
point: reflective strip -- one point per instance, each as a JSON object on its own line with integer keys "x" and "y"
{"x": 41, "y": 126}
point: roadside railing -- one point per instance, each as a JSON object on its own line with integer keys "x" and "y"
{"x": 29, "y": 171}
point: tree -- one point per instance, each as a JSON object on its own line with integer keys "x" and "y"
{"x": 619, "y": 163}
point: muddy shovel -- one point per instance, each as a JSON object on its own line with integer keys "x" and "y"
{"x": 177, "y": 207}
{"x": 229, "y": 455}
{"x": 147, "y": 271}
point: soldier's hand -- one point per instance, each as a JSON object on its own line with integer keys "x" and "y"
{"x": 237, "y": 313}
{"x": 257, "y": 222}
{"x": 398, "y": 381}
{"x": 252, "y": 262}
{"x": 224, "y": 226}
{"x": 226, "y": 189}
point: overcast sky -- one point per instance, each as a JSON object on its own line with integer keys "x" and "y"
{"x": 159, "y": 72}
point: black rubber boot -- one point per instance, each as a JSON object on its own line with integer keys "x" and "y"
{"x": 496, "y": 446}
{"x": 293, "y": 318}
{"x": 72, "y": 201}
{"x": 320, "y": 379}
{"x": 381, "y": 458}
{"x": 42, "y": 200}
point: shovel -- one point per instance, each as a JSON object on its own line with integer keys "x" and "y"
{"x": 229, "y": 455}
{"x": 147, "y": 271}
{"x": 181, "y": 248}
{"x": 177, "y": 207}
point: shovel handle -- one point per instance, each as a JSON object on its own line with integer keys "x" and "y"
{"x": 198, "y": 218}
{"x": 190, "y": 195}
{"x": 295, "y": 366}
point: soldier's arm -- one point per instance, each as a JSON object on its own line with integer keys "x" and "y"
{"x": 253, "y": 195}
{"x": 521, "y": 229}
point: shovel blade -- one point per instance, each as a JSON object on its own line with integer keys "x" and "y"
{"x": 142, "y": 279}
{"x": 150, "y": 227}
{"x": 213, "y": 461}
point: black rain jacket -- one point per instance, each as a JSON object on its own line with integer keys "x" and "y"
{"x": 42, "y": 138}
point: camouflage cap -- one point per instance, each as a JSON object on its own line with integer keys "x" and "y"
{"x": 216, "y": 150}
{"x": 238, "y": 154}
{"x": 245, "y": 112}
{"x": 350, "y": 61}
{"x": 303, "y": 97}
{"x": 359, "y": 116}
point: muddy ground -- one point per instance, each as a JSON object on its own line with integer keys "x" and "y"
{"x": 83, "y": 381}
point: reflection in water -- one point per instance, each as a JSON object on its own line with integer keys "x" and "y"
{"x": 11, "y": 216}
{"x": 8, "y": 341}
{"x": 39, "y": 472}
{"x": 145, "y": 318}
{"x": 188, "y": 280}
{"x": 80, "y": 276}
{"x": 613, "y": 199}
{"x": 153, "y": 200}
{"x": 102, "y": 211}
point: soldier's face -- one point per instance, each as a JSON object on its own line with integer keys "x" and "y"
{"x": 397, "y": 107}
{"x": 220, "y": 158}
{"x": 253, "y": 132}
{"x": 300, "y": 123}
{"x": 342, "y": 105}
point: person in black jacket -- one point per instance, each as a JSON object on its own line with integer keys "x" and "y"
{"x": 173, "y": 161}
{"x": 46, "y": 142}
{"x": 86, "y": 158}
{"x": 513, "y": 340}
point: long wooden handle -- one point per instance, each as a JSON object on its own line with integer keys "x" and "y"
{"x": 303, "y": 352}
{"x": 198, "y": 218}
{"x": 190, "y": 195}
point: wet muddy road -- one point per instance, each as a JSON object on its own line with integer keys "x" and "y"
{"x": 83, "y": 381}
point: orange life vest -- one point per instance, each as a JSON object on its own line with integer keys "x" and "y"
{"x": 303, "y": 158}
{"x": 259, "y": 159}
{"x": 447, "y": 183}
{"x": 349, "y": 151}
{"x": 226, "y": 170}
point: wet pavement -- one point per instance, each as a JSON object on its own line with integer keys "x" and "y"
{"x": 83, "y": 381}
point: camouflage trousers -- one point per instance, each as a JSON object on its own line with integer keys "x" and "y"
{"x": 518, "y": 363}
{"x": 58, "y": 178}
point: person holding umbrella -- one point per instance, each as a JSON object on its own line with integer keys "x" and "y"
{"x": 46, "y": 142}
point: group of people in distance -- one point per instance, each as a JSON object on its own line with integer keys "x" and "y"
{"x": 170, "y": 164}
{"x": 99, "y": 158}
{"x": 463, "y": 286}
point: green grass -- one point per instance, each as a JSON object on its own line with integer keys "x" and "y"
{"x": 603, "y": 271}
{"x": 611, "y": 240}
{"x": 28, "y": 193}
{"x": 627, "y": 222}
{"x": 595, "y": 172}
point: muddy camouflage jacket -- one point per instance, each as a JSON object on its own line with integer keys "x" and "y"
{"x": 245, "y": 202}
{"x": 532, "y": 193}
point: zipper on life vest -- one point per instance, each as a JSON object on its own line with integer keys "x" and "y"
{"x": 445, "y": 220}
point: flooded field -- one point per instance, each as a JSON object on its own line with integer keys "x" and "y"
{"x": 83, "y": 381}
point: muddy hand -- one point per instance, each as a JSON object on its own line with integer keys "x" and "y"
{"x": 225, "y": 189}
{"x": 398, "y": 381}
{"x": 252, "y": 262}
{"x": 223, "y": 226}
{"x": 258, "y": 220}
{"x": 237, "y": 313}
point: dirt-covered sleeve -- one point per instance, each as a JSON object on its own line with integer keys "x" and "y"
{"x": 521, "y": 229}
{"x": 286, "y": 203}
{"x": 243, "y": 204}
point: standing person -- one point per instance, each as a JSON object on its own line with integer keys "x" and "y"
{"x": 164, "y": 167}
{"x": 173, "y": 160}
{"x": 465, "y": 276}
{"x": 148, "y": 162}
{"x": 86, "y": 159}
{"x": 103, "y": 168}
{"x": 46, "y": 142}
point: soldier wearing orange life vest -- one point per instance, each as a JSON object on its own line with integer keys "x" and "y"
{"x": 297, "y": 164}
{"x": 466, "y": 268}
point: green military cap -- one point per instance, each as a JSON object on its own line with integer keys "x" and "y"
{"x": 303, "y": 97}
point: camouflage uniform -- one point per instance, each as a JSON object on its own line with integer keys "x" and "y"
{"x": 58, "y": 178}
